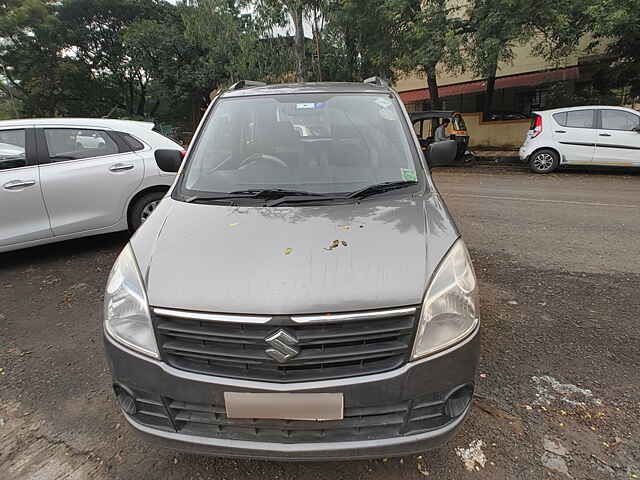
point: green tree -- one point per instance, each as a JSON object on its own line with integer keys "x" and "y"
{"x": 616, "y": 25}
{"x": 494, "y": 28}
{"x": 427, "y": 36}
{"x": 358, "y": 41}
{"x": 34, "y": 71}
{"x": 282, "y": 13}
{"x": 94, "y": 31}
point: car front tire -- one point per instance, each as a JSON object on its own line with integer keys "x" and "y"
{"x": 143, "y": 208}
{"x": 544, "y": 161}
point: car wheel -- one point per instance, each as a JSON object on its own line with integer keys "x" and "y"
{"x": 544, "y": 161}
{"x": 143, "y": 208}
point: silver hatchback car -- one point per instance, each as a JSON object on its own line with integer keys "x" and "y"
{"x": 302, "y": 292}
{"x": 64, "y": 178}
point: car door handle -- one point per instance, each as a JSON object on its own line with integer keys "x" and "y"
{"x": 119, "y": 167}
{"x": 15, "y": 184}
{"x": 560, "y": 131}
{"x": 605, "y": 134}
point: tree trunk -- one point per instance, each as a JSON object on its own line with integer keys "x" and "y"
{"x": 488, "y": 96}
{"x": 142, "y": 101}
{"x": 296, "y": 16}
{"x": 432, "y": 85}
{"x": 195, "y": 110}
{"x": 154, "y": 109}
{"x": 316, "y": 39}
{"x": 352, "y": 55}
{"x": 131, "y": 97}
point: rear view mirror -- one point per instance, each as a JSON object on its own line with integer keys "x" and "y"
{"x": 169, "y": 160}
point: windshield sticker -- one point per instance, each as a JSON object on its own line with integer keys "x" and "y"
{"x": 309, "y": 106}
{"x": 409, "y": 175}
{"x": 384, "y": 102}
{"x": 388, "y": 114}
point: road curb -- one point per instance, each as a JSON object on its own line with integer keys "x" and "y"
{"x": 497, "y": 160}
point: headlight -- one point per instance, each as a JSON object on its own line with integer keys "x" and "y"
{"x": 450, "y": 309}
{"x": 126, "y": 310}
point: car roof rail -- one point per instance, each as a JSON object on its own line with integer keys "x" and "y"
{"x": 381, "y": 82}
{"x": 247, "y": 84}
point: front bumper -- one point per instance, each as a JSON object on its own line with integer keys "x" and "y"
{"x": 420, "y": 393}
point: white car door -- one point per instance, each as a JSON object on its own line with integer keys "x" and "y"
{"x": 618, "y": 138}
{"x": 86, "y": 187}
{"x": 575, "y": 132}
{"x": 23, "y": 217}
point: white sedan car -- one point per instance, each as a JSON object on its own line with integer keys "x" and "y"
{"x": 69, "y": 178}
{"x": 598, "y": 135}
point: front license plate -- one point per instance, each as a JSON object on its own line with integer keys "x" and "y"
{"x": 284, "y": 406}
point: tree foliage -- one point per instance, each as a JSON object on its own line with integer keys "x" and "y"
{"x": 161, "y": 60}
{"x": 427, "y": 36}
{"x": 617, "y": 26}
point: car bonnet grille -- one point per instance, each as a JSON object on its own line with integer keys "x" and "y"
{"x": 322, "y": 350}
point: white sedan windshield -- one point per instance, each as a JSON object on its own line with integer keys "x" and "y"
{"x": 319, "y": 143}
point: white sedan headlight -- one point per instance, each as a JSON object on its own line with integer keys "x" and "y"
{"x": 126, "y": 310}
{"x": 450, "y": 310}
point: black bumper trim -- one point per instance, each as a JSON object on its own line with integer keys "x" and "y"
{"x": 387, "y": 447}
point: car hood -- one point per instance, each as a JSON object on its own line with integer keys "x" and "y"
{"x": 290, "y": 260}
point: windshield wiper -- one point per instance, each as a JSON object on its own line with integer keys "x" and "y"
{"x": 266, "y": 193}
{"x": 270, "y": 192}
{"x": 379, "y": 188}
{"x": 197, "y": 199}
{"x": 312, "y": 197}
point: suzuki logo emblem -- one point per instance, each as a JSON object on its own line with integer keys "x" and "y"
{"x": 283, "y": 346}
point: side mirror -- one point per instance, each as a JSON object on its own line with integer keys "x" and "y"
{"x": 169, "y": 160}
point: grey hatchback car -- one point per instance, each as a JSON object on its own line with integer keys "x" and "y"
{"x": 301, "y": 292}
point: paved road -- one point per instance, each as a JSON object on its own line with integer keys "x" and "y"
{"x": 558, "y": 258}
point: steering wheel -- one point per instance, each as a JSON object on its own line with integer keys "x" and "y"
{"x": 261, "y": 156}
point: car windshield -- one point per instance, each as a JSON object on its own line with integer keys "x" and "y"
{"x": 318, "y": 143}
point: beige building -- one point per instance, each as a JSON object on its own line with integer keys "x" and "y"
{"x": 521, "y": 87}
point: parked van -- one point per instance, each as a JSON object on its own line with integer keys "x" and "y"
{"x": 599, "y": 135}
{"x": 301, "y": 292}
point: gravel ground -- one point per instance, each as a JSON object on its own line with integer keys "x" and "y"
{"x": 558, "y": 259}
